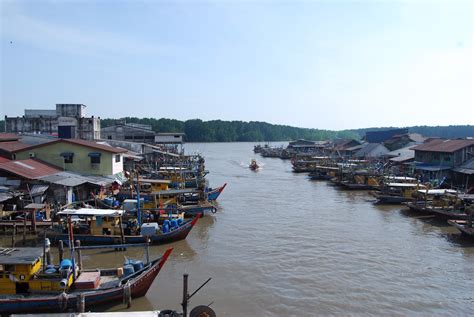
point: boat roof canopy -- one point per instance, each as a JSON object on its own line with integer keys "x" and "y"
{"x": 405, "y": 185}
{"x": 91, "y": 212}
{"x": 12, "y": 256}
{"x": 437, "y": 191}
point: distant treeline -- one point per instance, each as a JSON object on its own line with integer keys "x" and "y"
{"x": 197, "y": 130}
{"x": 236, "y": 131}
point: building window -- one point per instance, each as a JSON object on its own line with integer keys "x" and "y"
{"x": 447, "y": 158}
{"x": 95, "y": 158}
{"x": 68, "y": 157}
{"x": 109, "y": 137}
{"x": 117, "y": 158}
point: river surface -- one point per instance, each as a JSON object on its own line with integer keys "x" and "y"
{"x": 282, "y": 245}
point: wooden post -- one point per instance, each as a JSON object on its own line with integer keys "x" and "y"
{"x": 44, "y": 251}
{"x": 79, "y": 257}
{"x": 147, "y": 251}
{"x": 185, "y": 295}
{"x": 61, "y": 250}
{"x": 33, "y": 220}
{"x": 14, "y": 235}
{"x": 122, "y": 236}
{"x": 24, "y": 229}
{"x": 127, "y": 295}
{"x": 81, "y": 303}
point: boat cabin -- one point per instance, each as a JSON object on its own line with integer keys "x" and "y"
{"x": 94, "y": 221}
{"x": 153, "y": 185}
{"x": 21, "y": 272}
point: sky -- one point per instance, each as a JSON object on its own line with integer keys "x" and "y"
{"x": 314, "y": 64}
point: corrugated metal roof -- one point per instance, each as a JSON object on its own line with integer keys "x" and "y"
{"x": 70, "y": 179}
{"x": 3, "y": 160}
{"x": 13, "y": 146}
{"x": 5, "y": 196}
{"x": 445, "y": 146}
{"x": 38, "y": 189}
{"x": 89, "y": 144}
{"x": 9, "y": 137}
{"x": 466, "y": 168}
{"x": 30, "y": 169}
{"x": 20, "y": 256}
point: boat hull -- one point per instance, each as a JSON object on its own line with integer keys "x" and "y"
{"x": 138, "y": 283}
{"x": 86, "y": 239}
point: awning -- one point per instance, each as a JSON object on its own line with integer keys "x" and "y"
{"x": 432, "y": 168}
{"x": 95, "y": 154}
{"x": 67, "y": 154}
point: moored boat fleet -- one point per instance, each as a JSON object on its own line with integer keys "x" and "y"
{"x": 433, "y": 179}
{"x": 141, "y": 200}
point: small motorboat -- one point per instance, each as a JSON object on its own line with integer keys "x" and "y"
{"x": 253, "y": 165}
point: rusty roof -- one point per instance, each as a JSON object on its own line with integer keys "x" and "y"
{"x": 89, "y": 144}
{"x": 9, "y": 137}
{"x": 445, "y": 146}
{"x": 30, "y": 169}
{"x": 3, "y": 159}
{"x": 13, "y": 146}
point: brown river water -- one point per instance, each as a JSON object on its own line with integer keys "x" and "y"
{"x": 282, "y": 245}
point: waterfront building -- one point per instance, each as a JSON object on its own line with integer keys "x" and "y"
{"x": 80, "y": 156}
{"x": 438, "y": 157}
{"x": 66, "y": 121}
{"x": 130, "y": 132}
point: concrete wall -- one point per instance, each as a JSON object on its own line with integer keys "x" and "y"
{"x": 128, "y": 133}
{"x": 81, "y": 160}
{"x": 171, "y": 138}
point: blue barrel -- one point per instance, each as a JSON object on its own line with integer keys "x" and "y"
{"x": 166, "y": 223}
{"x": 165, "y": 229}
{"x": 128, "y": 270}
{"x": 65, "y": 264}
{"x": 174, "y": 223}
{"x": 180, "y": 221}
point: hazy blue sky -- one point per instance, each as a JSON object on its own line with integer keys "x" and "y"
{"x": 316, "y": 64}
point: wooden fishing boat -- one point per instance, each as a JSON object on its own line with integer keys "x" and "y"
{"x": 26, "y": 288}
{"x": 200, "y": 208}
{"x": 464, "y": 226}
{"x": 104, "y": 227}
{"x": 213, "y": 194}
{"x": 442, "y": 203}
{"x": 396, "y": 193}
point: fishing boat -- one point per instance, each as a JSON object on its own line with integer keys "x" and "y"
{"x": 465, "y": 226}
{"x": 397, "y": 193}
{"x": 254, "y": 165}
{"x": 107, "y": 227}
{"x": 213, "y": 194}
{"x": 27, "y": 285}
{"x": 200, "y": 208}
{"x": 442, "y": 203}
